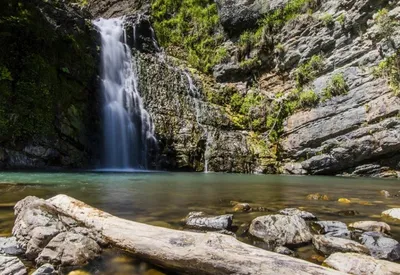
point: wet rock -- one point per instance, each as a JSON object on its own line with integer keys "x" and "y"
{"x": 240, "y": 206}
{"x": 281, "y": 230}
{"x": 285, "y": 251}
{"x": 297, "y": 212}
{"x": 11, "y": 266}
{"x": 317, "y": 196}
{"x": 393, "y": 213}
{"x": 371, "y": 226}
{"x": 243, "y": 230}
{"x": 332, "y": 229}
{"x": 329, "y": 245}
{"x": 344, "y": 200}
{"x": 395, "y": 253}
{"x": 359, "y": 264}
{"x": 9, "y": 246}
{"x": 200, "y": 220}
{"x": 348, "y": 212}
{"x": 379, "y": 245}
{"x": 69, "y": 249}
{"x": 385, "y": 193}
{"x": 46, "y": 269}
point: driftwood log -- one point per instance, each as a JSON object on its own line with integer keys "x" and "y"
{"x": 187, "y": 252}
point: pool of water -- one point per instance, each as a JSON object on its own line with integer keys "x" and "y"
{"x": 164, "y": 199}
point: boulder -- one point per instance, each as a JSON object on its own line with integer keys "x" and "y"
{"x": 297, "y": 212}
{"x": 281, "y": 230}
{"x": 371, "y": 226}
{"x": 69, "y": 249}
{"x": 11, "y": 266}
{"x": 332, "y": 229}
{"x": 242, "y": 14}
{"x": 200, "y": 220}
{"x": 380, "y": 246}
{"x": 46, "y": 269}
{"x": 329, "y": 245}
{"x": 359, "y": 264}
{"x": 9, "y": 246}
{"x": 393, "y": 213}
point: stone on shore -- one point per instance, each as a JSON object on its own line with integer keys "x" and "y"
{"x": 371, "y": 226}
{"x": 393, "y": 213}
{"x": 332, "y": 229}
{"x": 9, "y": 246}
{"x": 359, "y": 264}
{"x": 380, "y": 246}
{"x": 329, "y": 245}
{"x": 46, "y": 269}
{"x": 297, "y": 212}
{"x": 200, "y": 220}
{"x": 281, "y": 230}
{"x": 11, "y": 266}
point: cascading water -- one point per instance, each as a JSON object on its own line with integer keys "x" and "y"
{"x": 127, "y": 126}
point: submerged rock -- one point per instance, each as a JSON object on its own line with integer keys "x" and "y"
{"x": 385, "y": 193}
{"x": 380, "y": 246}
{"x": 9, "y": 246}
{"x": 371, "y": 226}
{"x": 329, "y": 245}
{"x": 344, "y": 200}
{"x": 297, "y": 212}
{"x": 11, "y": 266}
{"x": 241, "y": 206}
{"x": 69, "y": 249}
{"x": 348, "y": 212}
{"x": 281, "y": 230}
{"x": 360, "y": 264}
{"x": 332, "y": 229}
{"x": 46, "y": 269}
{"x": 200, "y": 220}
{"x": 285, "y": 251}
{"x": 317, "y": 196}
{"x": 393, "y": 213}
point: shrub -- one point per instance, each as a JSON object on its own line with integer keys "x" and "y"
{"x": 390, "y": 69}
{"x": 386, "y": 25}
{"x": 308, "y": 71}
{"x": 341, "y": 19}
{"x": 308, "y": 99}
{"x": 337, "y": 86}
{"x": 327, "y": 19}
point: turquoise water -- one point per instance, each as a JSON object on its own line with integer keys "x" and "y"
{"x": 164, "y": 199}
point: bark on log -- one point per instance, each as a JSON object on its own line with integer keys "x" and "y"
{"x": 187, "y": 252}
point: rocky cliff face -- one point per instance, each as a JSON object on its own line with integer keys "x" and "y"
{"x": 48, "y": 100}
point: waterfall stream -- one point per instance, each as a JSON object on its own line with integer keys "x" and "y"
{"x": 127, "y": 128}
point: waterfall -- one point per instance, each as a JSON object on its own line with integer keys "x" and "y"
{"x": 127, "y": 128}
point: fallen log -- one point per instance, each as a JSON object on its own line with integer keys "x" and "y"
{"x": 187, "y": 252}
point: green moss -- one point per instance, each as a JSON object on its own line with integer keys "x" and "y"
{"x": 308, "y": 71}
{"x": 390, "y": 69}
{"x": 308, "y": 99}
{"x": 337, "y": 86}
{"x": 250, "y": 63}
{"x": 341, "y": 19}
{"x": 327, "y": 19}
{"x": 386, "y": 25}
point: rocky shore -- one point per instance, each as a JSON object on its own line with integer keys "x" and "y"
{"x": 62, "y": 235}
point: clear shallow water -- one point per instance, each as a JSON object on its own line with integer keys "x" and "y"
{"x": 164, "y": 199}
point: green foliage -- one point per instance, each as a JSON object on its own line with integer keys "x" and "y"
{"x": 250, "y": 63}
{"x": 236, "y": 102}
{"x": 386, "y": 25}
{"x": 308, "y": 99}
{"x": 390, "y": 69}
{"x": 337, "y": 86}
{"x": 308, "y": 71}
{"x": 193, "y": 26}
{"x": 5, "y": 74}
{"x": 222, "y": 97}
{"x": 327, "y": 19}
{"x": 341, "y": 19}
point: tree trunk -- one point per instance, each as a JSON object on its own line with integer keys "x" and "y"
{"x": 186, "y": 252}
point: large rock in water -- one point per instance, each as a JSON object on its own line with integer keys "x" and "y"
{"x": 371, "y": 226}
{"x": 281, "y": 230}
{"x": 332, "y": 229}
{"x": 329, "y": 245}
{"x": 200, "y": 220}
{"x": 380, "y": 246}
{"x": 51, "y": 237}
{"x": 297, "y": 212}
{"x": 393, "y": 213}
{"x": 11, "y": 266}
{"x": 236, "y": 15}
{"x": 359, "y": 264}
